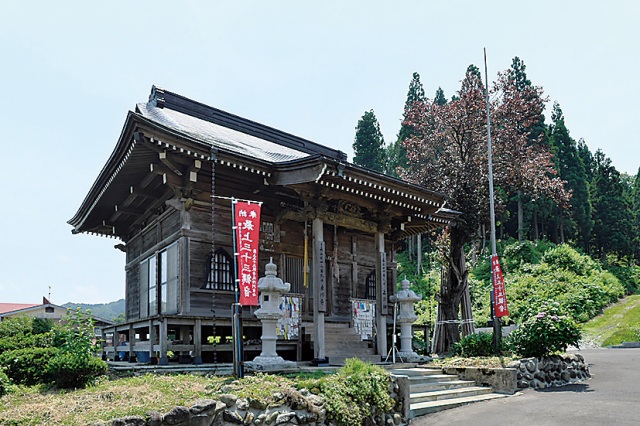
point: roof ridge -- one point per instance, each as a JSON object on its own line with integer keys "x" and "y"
{"x": 162, "y": 98}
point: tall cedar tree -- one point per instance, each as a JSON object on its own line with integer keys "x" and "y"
{"x": 440, "y": 98}
{"x": 368, "y": 145}
{"x": 612, "y": 210}
{"x": 576, "y": 222}
{"x": 449, "y": 154}
{"x": 396, "y": 153}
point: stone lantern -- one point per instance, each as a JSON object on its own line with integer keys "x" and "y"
{"x": 271, "y": 288}
{"x": 406, "y": 316}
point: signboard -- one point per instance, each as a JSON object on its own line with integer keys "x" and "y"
{"x": 500, "y": 296}
{"x": 289, "y": 324}
{"x": 384, "y": 309}
{"x": 247, "y": 226}
{"x": 363, "y": 316}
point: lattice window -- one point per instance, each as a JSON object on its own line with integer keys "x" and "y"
{"x": 370, "y": 286}
{"x": 294, "y": 273}
{"x": 220, "y": 274}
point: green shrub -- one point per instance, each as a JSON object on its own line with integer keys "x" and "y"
{"x": 357, "y": 391}
{"x": 625, "y": 270}
{"x": 547, "y": 331}
{"x": 75, "y": 366}
{"x": 572, "y": 279}
{"x": 27, "y": 366}
{"x": 16, "y": 326}
{"x": 566, "y": 257}
{"x": 519, "y": 253}
{"x": 5, "y": 384}
{"x": 70, "y": 370}
{"x": 478, "y": 344}
{"x": 20, "y": 341}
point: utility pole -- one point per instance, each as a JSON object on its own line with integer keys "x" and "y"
{"x": 497, "y": 331}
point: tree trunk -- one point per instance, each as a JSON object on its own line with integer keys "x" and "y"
{"x": 536, "y": 237}
{"x": 453, "y": 286}
{"x": 520, "y": 218}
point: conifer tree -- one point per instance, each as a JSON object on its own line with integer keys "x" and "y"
{"x": 368, "y": 145}
{"x": 397, "y": 153}
{"x": 611, "y": 210}
{"x": 440, "y": 98}
{"x": 576, "y": 222}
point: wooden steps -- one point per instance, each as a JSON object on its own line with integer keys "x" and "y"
{"x": 432, "y": 391}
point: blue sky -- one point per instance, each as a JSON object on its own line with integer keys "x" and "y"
{"x": 72, "y": 69}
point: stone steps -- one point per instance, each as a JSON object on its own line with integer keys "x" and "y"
{"x": 445, "y": 384}
{"x": 342, "y": 342}
{"x": 455, "y": 392}
{"x": 431, "y": 390}
{"x": 341, "y": 359}
{"x": 422, "y": 408}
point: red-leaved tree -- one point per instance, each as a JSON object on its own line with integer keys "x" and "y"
{"x": 448, "y": 153}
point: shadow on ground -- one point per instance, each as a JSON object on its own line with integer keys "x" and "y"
{"x": 578, "y": 387}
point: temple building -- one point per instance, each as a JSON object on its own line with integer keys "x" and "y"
{"x": 332, "y": 229}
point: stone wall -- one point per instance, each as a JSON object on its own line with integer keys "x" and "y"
{"x": 503, "y": 380}
{"x": 554, "y": 370}
{"x": 293, "y": 408}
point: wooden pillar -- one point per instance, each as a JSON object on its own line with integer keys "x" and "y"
{"x": 152, "y": 337}
{"x": 197, "y": 341}
{"x": 132, "y": 338}
{"x": 163, "y": 342}
{"x": 319, "y": 290}
{"x": 354, "y": 268}
{"x": 382, "y": 296}
{"x": 184, "y": 301}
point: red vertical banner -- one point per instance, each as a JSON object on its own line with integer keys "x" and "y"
{"x": 247, "y": 224}
{"x": 499, "y": 295}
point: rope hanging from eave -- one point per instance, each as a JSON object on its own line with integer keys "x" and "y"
{"x": 213, "y": 250}
{"x": 305, "y": 260}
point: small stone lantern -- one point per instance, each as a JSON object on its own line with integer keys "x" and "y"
{"x": 406, "y": 317}
{"x": 271, "y": 289}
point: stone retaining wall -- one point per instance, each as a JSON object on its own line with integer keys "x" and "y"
{"x": 293, "y": 408}
{"x": 503, "y": 380}
{"x": 554, "y": 370}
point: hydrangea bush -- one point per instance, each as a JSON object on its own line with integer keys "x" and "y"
{"x": 546, "y": 331}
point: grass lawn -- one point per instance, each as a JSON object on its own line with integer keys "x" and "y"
{"x": 619, "y": 323}
{"x": 105, "y": 400}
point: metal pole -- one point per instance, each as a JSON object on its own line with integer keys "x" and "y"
{"x": 236, "y": 308}
{"x": 236, "y": 331}
{"x": 497, "y": 332}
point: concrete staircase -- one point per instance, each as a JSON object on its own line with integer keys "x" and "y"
{"x": 432, "y": 391}
{"x": 342, "y": 342}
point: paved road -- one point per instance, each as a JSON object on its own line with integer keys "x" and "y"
{"x": 610, "y": 397}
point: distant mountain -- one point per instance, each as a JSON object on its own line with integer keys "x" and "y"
{"x": 103, "y": 310}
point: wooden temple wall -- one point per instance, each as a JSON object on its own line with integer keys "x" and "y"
{"x": 161, "y": 232}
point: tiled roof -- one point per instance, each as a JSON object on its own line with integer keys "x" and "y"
{"x": 10, "y": 307}
{"x": 219, "y": 136}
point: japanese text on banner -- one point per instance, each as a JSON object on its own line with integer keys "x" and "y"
{"x": 247, "y": 224}
{"x": 499, "y": 294}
